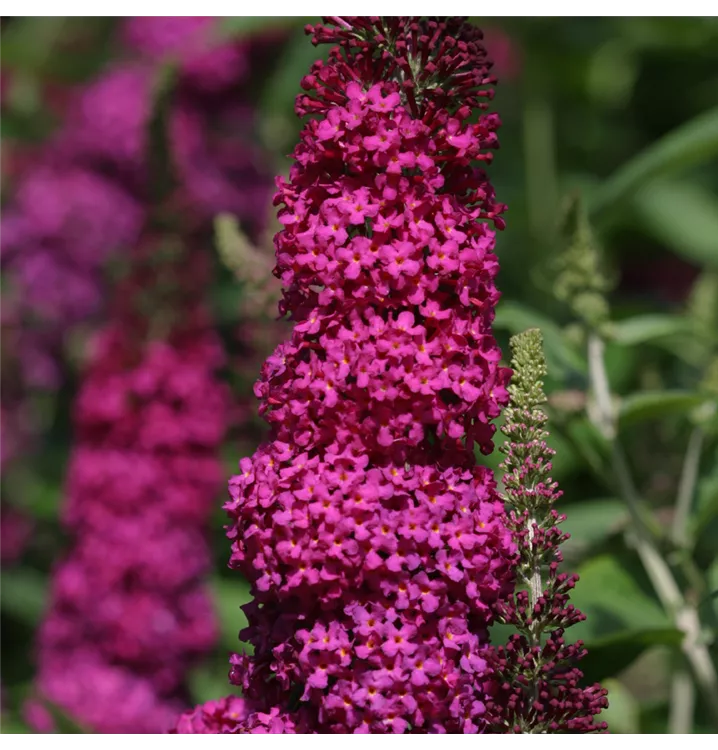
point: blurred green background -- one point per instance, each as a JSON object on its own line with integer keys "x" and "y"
{"x": 622, "y": 113}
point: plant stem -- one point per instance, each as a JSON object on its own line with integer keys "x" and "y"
{"x": 535, "y": 584}
{"x": 682, "y": 705}
{"x": 681, "y": 612}
{"x": 687, "y": 486}
{"x": 605, "y": 421}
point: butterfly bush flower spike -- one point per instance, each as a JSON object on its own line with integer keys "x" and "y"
{"x": 375, "y": 546}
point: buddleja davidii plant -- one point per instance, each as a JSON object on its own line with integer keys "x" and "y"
{"x": 582, "y": 283}
{"x": 539, "y": 684}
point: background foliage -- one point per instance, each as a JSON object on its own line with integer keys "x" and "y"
{"x": 621, "y": 112}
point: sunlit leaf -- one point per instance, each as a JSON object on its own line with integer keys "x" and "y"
{"x": 683, "y": 216}
{"x": 208, "y": 682}
{"x": 623, "y": 714}
{"x": 32, "y": 493}
{"x": 610, "y": 656}
{"x": 591, "y": 521}
{"x": 229, "y": 596}
{"x": 13, "y": 726}
{"x": 643, "y": 329}
{"x": 613, "y": 601}
{"x": 639, "y": 407}
{"x": 28, "y": 42}
{"x": 694, "y": 142}
{"x": 279, "y": 125}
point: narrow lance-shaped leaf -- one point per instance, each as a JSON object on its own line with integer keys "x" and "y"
{"x": 695, "y": 142}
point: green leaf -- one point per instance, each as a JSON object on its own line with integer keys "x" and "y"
{"x": 23, "y": 593}
{"x": 623, "y": 714}
{"x": 590, "y": 522}
{"x": 229, "y": 596}
{"x": 644, "y": 329}
{"x": 702, "y": 307}
{"x": 589, "y": 442}
{"x": 560, "y": 357}
{"x": 32, "y": 494}
{"x": 683, "y": 216}
{"x": 612, "y": 73}
{"x": 654, "y": 717}
{"x": 610, "y": 656}
{"x": 225, "y": 305}
{"x": 208, "y": 683}
{"x": 685, "y": 35}
{"x": 567, "y": 460}
{"x": 622, "y": 619}
{"x": 238, "y": 27}
{"x": 613, "y": 601}
{"x": 621, "y": 365}
{"x": 45, "y": 49}
{"x": 28, "y": 42}
{"x": 694, "y": 142}
{"x": 297, "y": 57}
{"x": 16, "y": 126}
{"x": 703, "y": 525}
{"x": 640, "y": 407}
{"x": 279, "y": 124}
{"x": 13, "y": 726}
{"x": 64, "y": 722}
{"x": 706, "y": 505}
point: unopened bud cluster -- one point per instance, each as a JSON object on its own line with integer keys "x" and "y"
{"x": 538, "y": 685}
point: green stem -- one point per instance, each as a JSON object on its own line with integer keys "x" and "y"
{"x": 535, "y": 589}
{"x": 687, "y": 486}
{"x": 681, "y": 612}
{"x": 535, "y": 584}
{"x": 682, "y": 701}
{"x": 605, "y": 420}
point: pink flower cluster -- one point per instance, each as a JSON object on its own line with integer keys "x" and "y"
{"x": 231, "y": 716}
{"x": 64, "y": 223}
{"x": 125, "y": 626}
{"x": 375, "y": 546}
{"x": 129, "y": 614}
{"x": 84, "y": 197}
{"x": 210, "y": 124}
{"x": 207, "y": 63}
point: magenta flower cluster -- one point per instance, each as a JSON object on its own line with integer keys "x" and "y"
{"x": 85, "y": 196}
{"x": 210, "y": 123}
{"x": 129, "y": 613}
{"x": 375, "y": 546}
{"x": 231, "y": 715}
